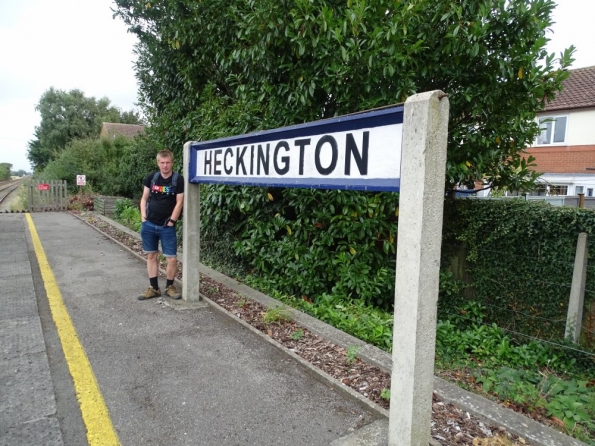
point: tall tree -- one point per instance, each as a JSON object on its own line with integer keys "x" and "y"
{"x": 67, "y": 116}
{"x": 5, "y": 171}
{"x": 301, "y": 60}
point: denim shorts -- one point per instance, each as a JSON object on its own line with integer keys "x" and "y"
{"x": 151, "y": 234}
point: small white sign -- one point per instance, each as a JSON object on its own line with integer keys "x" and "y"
{"x": 81, "y": 180}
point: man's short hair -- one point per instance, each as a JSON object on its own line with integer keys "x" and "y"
{"x": 165, "y": 154}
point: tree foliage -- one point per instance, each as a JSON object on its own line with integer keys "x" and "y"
{"x": 302, "y": 60}
{"x": 19, "y": 173}
{"x": 212, "y": 68}
{"x": 5, "y": 171}
{"x": 102, "y": 161}
{"x": 68, "y": 116}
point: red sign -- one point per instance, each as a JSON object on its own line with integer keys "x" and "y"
{"x": 43, "y": 187}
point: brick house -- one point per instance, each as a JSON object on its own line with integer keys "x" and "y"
{"x": 565, "y": 149}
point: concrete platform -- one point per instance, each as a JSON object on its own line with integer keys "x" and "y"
{"x": 168, "y": 377}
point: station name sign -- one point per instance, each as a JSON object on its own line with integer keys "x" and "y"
{"x": 360, "y": 152}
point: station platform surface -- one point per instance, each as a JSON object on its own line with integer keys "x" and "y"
{"x": 166, "y": 376}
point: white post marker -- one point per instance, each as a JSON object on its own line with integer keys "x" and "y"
{"x": 421, "y": 204}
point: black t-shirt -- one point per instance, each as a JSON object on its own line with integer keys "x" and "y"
{"x": 162, "y": 198}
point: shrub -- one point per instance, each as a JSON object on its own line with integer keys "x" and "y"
{"x": 127, "y": 213}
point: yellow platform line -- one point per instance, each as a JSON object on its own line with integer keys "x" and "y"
{"x": 100, "y": 431}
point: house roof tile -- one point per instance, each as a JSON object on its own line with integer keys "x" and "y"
{"x": 128, "y": 130}
{"x": 578, "y": 91}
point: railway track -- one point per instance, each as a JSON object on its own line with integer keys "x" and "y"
{"x": 8, "y": 187}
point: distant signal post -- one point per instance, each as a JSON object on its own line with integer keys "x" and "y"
{"x": 399, "y": 149}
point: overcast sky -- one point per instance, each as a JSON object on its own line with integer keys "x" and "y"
{"x": 76, "y": 44}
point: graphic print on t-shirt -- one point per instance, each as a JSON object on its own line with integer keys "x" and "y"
{"x": 162, "y": 189}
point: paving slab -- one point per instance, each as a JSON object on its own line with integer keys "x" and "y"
{"x": 17, "y": 298}
{"x": 26, "y": 391}
{"x": 43, "y": 431}
{"x": 27, "y": 399}
{"x": 21, "y": 336}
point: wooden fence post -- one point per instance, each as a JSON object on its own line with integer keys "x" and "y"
{"x": 30, "y": 196}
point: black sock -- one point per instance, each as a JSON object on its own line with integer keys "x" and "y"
{"x": 154, "y": 282}
{"x": 169, "y": 283}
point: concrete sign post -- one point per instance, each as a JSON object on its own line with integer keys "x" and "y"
{"x": 574, "y": 317}
{"x": 191, "y": 235}
{"x": 391, "y": 149}
{"x": 419, "y": 241}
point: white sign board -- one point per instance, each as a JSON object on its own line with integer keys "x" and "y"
{"x": 360, "y": 152}
{"x": 81, "y": 180}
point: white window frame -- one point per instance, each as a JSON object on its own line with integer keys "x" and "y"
{"x": 552, "y": 120}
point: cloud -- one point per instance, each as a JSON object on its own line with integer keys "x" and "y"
{"x": 573, "y": 26}
{"x": 66, "y": 44}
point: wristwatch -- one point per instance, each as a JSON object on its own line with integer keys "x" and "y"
{"x": 172, "y": 220}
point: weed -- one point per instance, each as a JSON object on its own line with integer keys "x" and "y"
{"x": 571, "y": 402}
{"x": 297, "y": 335}
{"x": 385, "y": 394}
{"x": 22, "y": 201}
{"x": 276, "y": 315}
{"x": 352, "y": 352}
{"x": 130, "y": 217}
{"x": 242, "y": 302}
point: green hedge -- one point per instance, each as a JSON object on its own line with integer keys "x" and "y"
{"x": 519, "y": 261}
{"x": 313, "y": 243}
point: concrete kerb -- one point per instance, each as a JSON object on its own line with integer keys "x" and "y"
{"x": 489, "y": 411}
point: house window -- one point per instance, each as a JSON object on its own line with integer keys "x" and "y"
{"x": 579, "y": 190}
{"x": 553, "y": 130}
{"x": 550, "y": 189}
{"x": 589, "y": 192}
{"x": 558, "y": 190}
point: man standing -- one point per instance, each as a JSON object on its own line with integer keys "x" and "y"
{"x": 160, "y": 207}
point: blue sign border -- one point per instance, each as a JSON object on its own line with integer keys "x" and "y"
{"x": 376, "y": 118}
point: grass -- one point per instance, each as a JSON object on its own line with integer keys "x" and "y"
{"x": 275, "y": 315}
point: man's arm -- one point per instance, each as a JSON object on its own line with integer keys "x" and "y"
{"x": 178, "y": 209}
{"x": 143, "y": 203}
